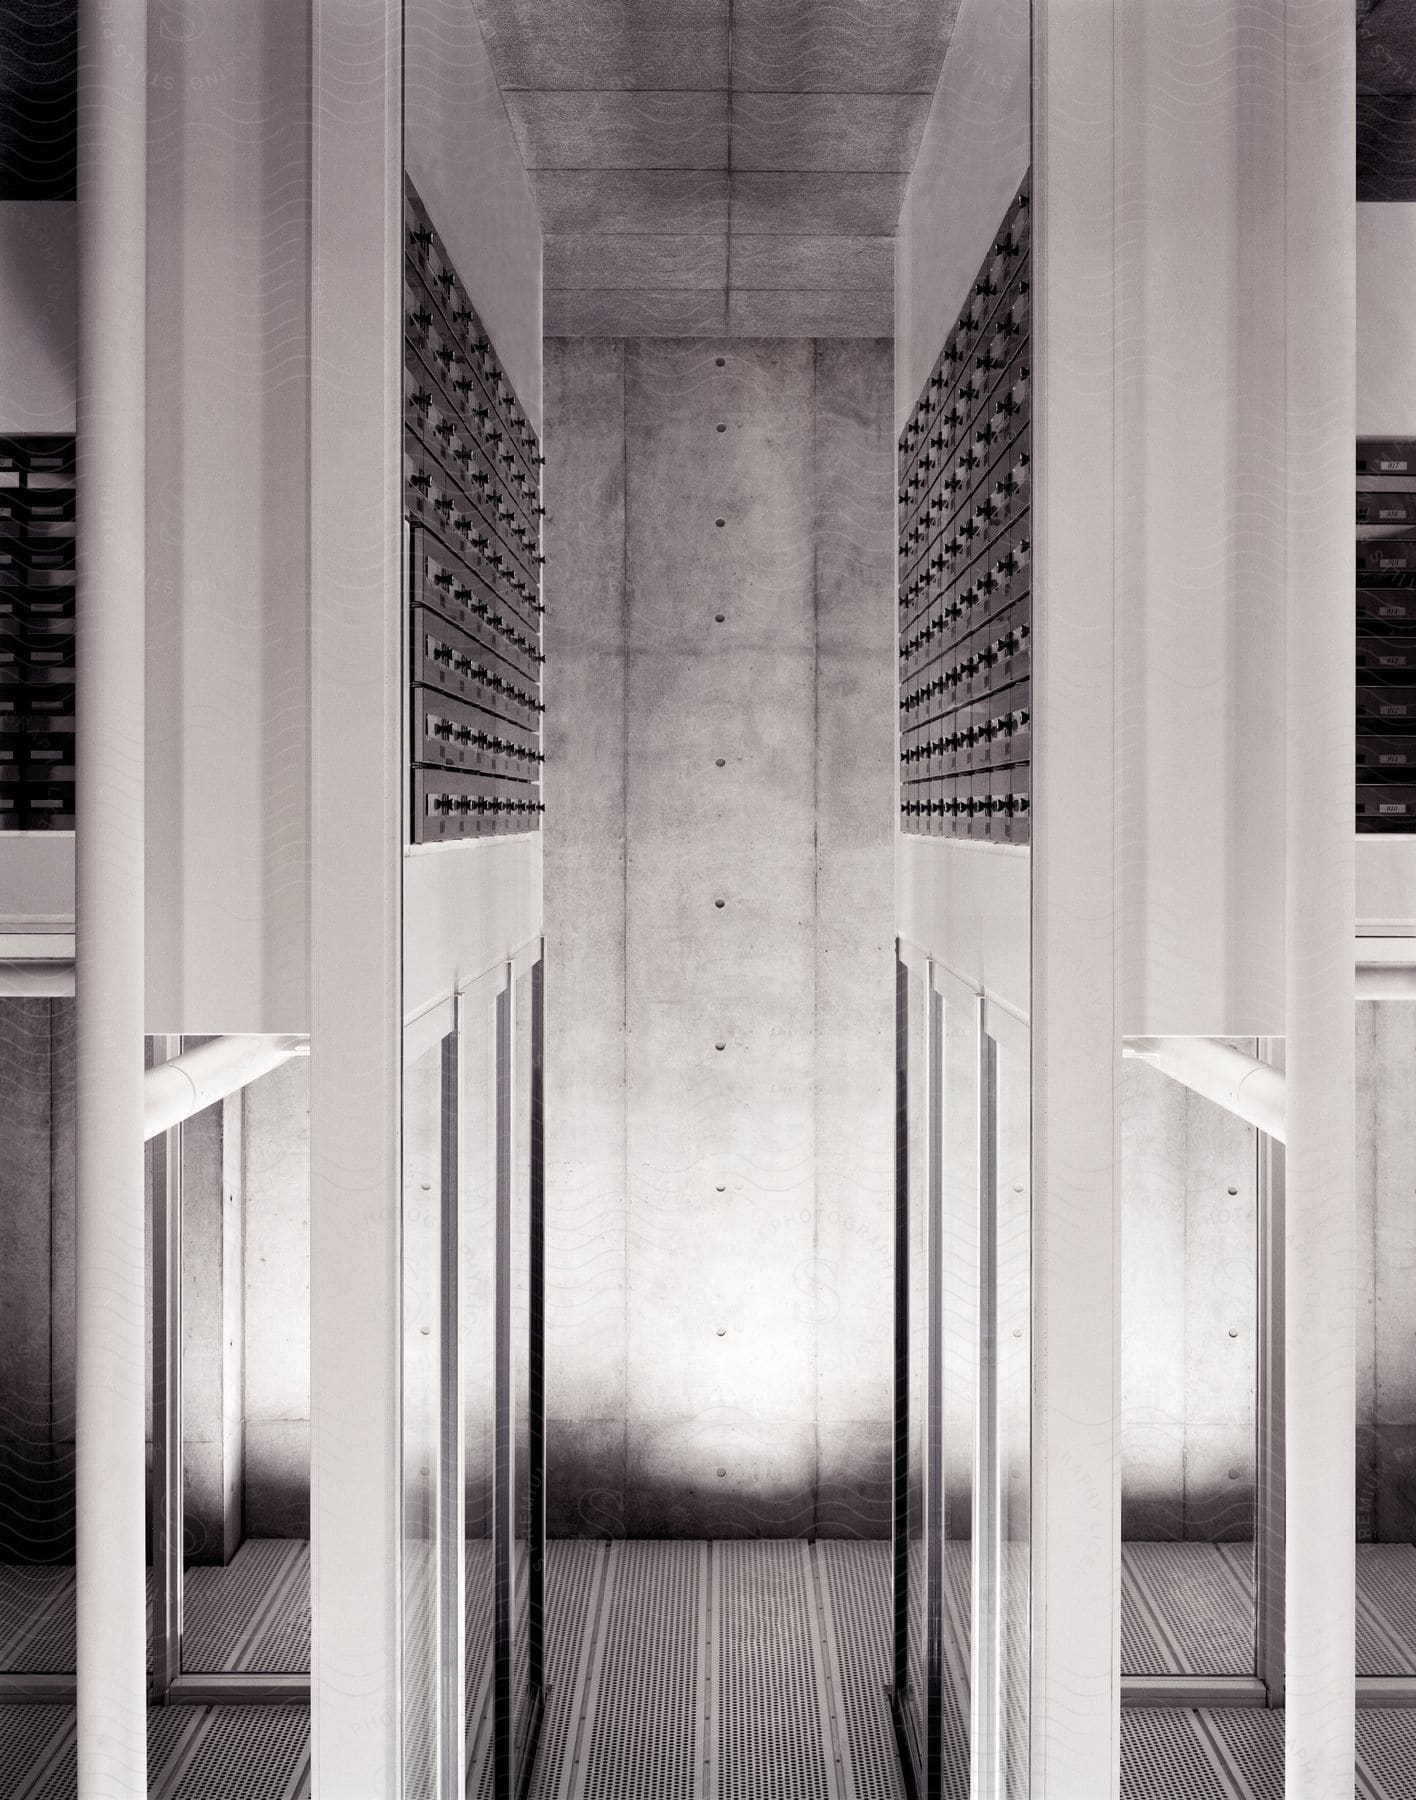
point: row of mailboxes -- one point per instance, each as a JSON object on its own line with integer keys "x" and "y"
{"x": 472, "y": 466}
{"x": 995, "y": 806}
{"x": 964, "y": 497}
{"x": 1386, "y": 635}
{"x": 37, "y": 650}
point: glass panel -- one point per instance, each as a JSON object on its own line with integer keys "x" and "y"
{"x": 242, "y": 1247}
{"x": 422, "y": 1288}
{"x": 1013, "y": 1216}
{"x": 36, "y": 1336}
{"x": 1386, "y": 1368}
{"x": 1189, "y": 1367}
{"x": 917, "y": 1299}
{"x": 477, "y": 1213}
{"x": 520, "y": 1355}
{"x": 959, "y": 1353}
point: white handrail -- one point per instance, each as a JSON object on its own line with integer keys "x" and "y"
{"x": 1251, "y": 1090}
{"x": 175, "y": 1090}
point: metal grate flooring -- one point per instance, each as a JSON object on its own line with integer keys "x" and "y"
{"x": 752, "y": 1670}
{"x": 1188, "y": 1609}
{"x": 251, "y": 1615}
{"x": 194, "y": 1753}
{"x": 1236, "y": 1753}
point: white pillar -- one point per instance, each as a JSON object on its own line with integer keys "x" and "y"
{"x": 1318, "y": 331}
{"x": 355, "y": 896}
{"x": 1076, "y": 1024}
{"x": 111, "y": 1373}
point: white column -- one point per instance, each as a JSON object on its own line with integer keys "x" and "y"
{"x": 355, "y": 895}
{"x": 111, "y": 1372}
{"x": 1318, "y": 328}
{"x": 1076, "y": 1027}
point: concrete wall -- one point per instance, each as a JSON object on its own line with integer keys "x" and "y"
{"x": 37, "y": 1273}
{"x": 1189, "y": 1313}
{"x": 1386, "y": 1272}
{"x": 718, "y": 902}
{"x": 275, "y": 1155}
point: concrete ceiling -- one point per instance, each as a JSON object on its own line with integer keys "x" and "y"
{"x": 710, "y": 168}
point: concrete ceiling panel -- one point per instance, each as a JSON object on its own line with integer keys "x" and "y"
{"x": 810, "y": 313}
{"x": 671, "y": 201}
{"x": 549, "y": 44}
{"x": 588, "y": 259}
{"x": 851, "y": 46}
{"x": 845, "y": 263}
{"x": 858, "y": 133}
{"x": 601, "y": 312}
{"x": 816, "y": 204}
{"x": 619, "y": 130}
{"x": 729, "y": 166}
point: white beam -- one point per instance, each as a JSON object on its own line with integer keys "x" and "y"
{"x": 111, "y": 1331}
{"x": 1386, "y": 981}
{"x": 199, "y": 1077}
{"x": 40, "y": 976}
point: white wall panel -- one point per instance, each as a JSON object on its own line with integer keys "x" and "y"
{"x": 1201, "y": 473}
{"x": 464, "y": 161}
{"x": 228, "y": 520}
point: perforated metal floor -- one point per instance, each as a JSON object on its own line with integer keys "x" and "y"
{"x": 251, "y": 1615}
{"x": 194, "y": 1753}
{"x": 1188, "y": 1609}
{"x": 724, "y": 1671}
{"x": 1237, "y": 1754}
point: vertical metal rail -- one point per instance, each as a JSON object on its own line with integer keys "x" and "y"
{"x": 504, "y": 1446}
{"x": 167, "y": 1472}
{"x": 451, "y": 1523}
{"x": 111, "y": 1376}
{"x": 1269, "y": 1516}
{"x": 986, "y": 1725}
{"x": 537, "y": 1383}
{"x": 900, "y": 1470}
